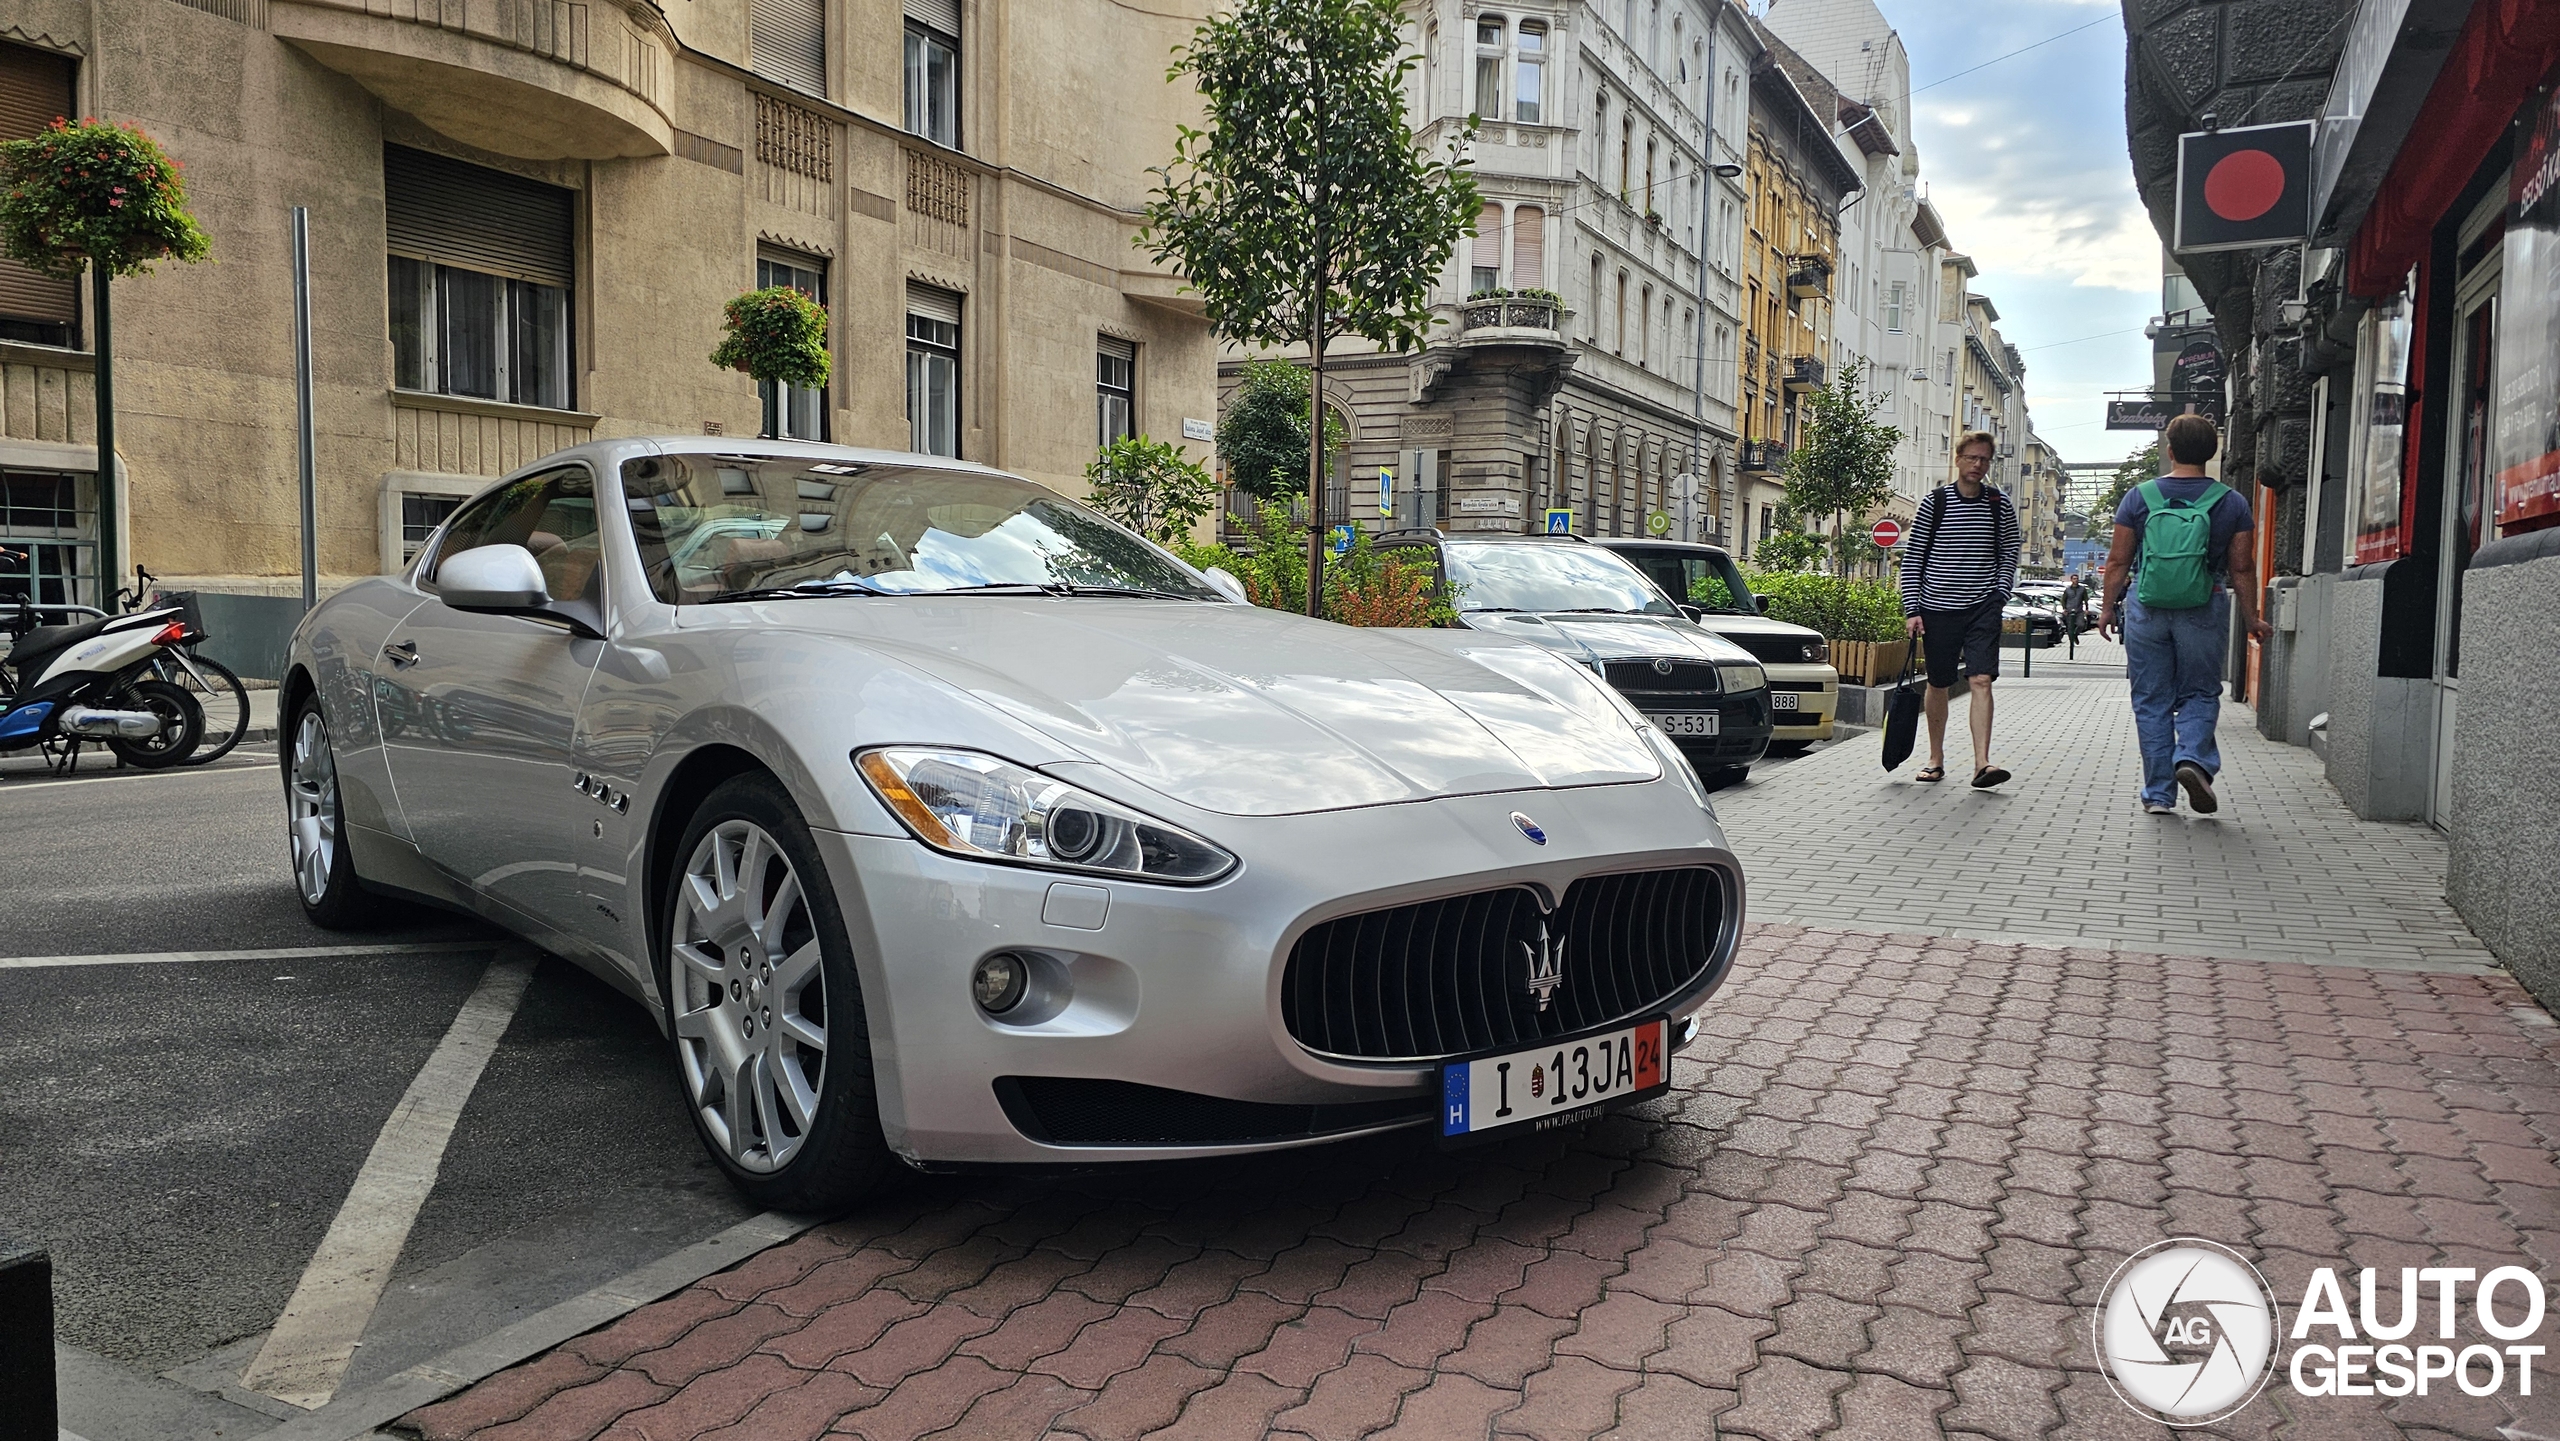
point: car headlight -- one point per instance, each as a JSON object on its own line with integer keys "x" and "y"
{"x": 967, "y": 804}
{"x": 1740, "y": 677}
{"x": 1817, "y": 651}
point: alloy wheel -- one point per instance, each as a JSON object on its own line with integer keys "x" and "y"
{"x": 750, "y": 996}
{"x": 311, "y": 806}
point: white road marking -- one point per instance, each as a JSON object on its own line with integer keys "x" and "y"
{"x": 279, "y": 953}
{"x": 10, "y": 787}
{"x": 306, "y": 1355}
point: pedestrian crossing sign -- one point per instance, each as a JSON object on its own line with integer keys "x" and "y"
{"x": 1559, "y": 522}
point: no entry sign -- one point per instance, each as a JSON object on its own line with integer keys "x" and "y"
{"x": 1887, "y": 532}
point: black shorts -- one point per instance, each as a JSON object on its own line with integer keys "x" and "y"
{"x": 1961, "y": 642}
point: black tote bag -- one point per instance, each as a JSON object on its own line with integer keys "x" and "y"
{"x": 1902, "y": 712}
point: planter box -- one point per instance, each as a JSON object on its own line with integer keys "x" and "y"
{"x": 1869, "y": 662}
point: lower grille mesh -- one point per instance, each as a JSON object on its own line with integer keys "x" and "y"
{"x": 1074, "y": 1111}
{"x": 1443, "y": 978}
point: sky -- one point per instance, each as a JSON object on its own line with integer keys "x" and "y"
{"x": 2025, "y": 160}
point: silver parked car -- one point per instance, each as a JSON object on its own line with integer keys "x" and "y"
{"x": 939, "y": 819}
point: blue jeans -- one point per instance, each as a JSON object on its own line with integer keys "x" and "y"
{"x": 2174, "y": 660}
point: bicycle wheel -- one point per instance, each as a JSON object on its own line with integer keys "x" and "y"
{"x": 218, "y": 693}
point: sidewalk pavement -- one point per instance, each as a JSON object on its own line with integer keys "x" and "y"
{"x": 2064, "y": 854}
{"x": 1893, "y": 1175}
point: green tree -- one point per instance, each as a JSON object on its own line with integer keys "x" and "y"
{"x": 1305, "y": 211}
{"x": 1787, "y": 548}
{"x": 1151, "y": 487}
{"x": 2142, "y": 465}
{"x": 1263, "y": 435}
{"x": 108, "y": 199}
{"x": 1842, "y": 465}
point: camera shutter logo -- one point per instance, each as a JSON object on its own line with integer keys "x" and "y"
{"x": 2187, "y": 1330}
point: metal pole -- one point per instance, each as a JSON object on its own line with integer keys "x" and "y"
{"x": 304, "y": 428}
{"x": 102, "y": 354}
{"x": 1709, "y": 184}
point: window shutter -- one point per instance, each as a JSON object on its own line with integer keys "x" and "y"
{"x": 1111, "y": 345}
{"x": 35, "y": 90}
{"x": 787, "y": 41}
{"x": 1529, "y": 248}
{"x": 1487, "y": 249}
{"x": 475, "y": 218}
{"x": 942, "y": 15}
{"x": 933, "y": 303}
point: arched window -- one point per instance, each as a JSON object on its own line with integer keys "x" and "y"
{"x": 1679, "y": 56}
{"x": 1621, "y": 336}
{"x": 1484, "y": 262}
{"x": 1650, "y": 147}
{"x": 1626, "y": 158}
{"x": 1644, "y": 328}
{"x": 1591, "y": 300}
{"x": 1528, "y": 247}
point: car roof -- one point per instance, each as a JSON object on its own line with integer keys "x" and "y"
{"x": 1638, "y": 542}
{"x": 1419, "y": 535}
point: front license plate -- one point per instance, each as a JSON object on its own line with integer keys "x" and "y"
{"x": 1558, "y": 1084}
{"x": 1688, "y": 725}
{"x": 1785, "y": 700}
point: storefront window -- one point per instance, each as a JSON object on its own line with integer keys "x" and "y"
{"x": 2382, "y": 413}
{"x": 2526, "y": 452}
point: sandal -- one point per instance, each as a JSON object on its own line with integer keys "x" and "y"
{"x": 1930, "y": 775}
{"x": 1988, "y": 777}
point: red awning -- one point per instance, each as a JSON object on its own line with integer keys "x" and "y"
{"x": 2506, "y": 47}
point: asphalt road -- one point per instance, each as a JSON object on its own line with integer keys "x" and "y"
{"x": 182, "y": 1134}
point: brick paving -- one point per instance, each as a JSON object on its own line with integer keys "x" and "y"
{"x": 2065, "y": 856}
{"x": 1892, "y": 1175}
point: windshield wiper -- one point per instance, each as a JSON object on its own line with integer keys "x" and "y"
{"x": 795, "y": 592}
{"x": 1058, "y": 587}
{"x": 1596, "y": 610}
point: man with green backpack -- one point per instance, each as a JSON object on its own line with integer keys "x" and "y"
{"x": 2182, "y": 544}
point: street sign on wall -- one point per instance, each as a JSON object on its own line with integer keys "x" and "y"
{"x": 2245, "y": 188}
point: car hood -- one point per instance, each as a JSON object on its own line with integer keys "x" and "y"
{"x": 1244, "y": 711}
{"x": 1758, "y": 625}
{"x": 1590, "y": 638}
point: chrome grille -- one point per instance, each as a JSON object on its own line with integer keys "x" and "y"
{"x": 1650, "y": 689}
{"x": 1447, "y": 977}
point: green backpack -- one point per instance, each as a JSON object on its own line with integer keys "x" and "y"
{"x": 2177, "y": 540}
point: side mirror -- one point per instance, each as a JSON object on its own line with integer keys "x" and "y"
{"x": 496, "y": 578}
{"x": 1224, "y": 583}
{"x": 1761, "y": 601}
{"x": 1693, "y": 612}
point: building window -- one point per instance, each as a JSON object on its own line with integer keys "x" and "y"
{"x": 1626, "y": 158}
{"x": 479, "y": 268}
{"x": 1116, "y": 387}
{"x": 1649, "y": 149}
{"x": 35, "y": 86}
{"x": 1488, "y": 103}
{"x": 1644, "y": 328}
{"x": 1528, "y": 247}
{"x": 49, "y": 536}
{"x": 1893, "y": 308}
{"x": 1484, "y": 251}
{"x": 1529, "y": 75}
{"x": 793, "y": 412}
{"x": 1594, "y": 300}
{"x": 1621, "y": 334}
{"x": 787, "y": 41}
{"x": 933, "y": 78}
{"x": 419, "y": 517}
{"x": 933, "y": 370}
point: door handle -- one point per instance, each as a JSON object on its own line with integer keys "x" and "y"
{"x": 403, "y": 654}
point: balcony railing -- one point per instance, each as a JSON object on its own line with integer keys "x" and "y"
{"x": 1763, "y": 457}
{"x": 1804, "y": 373}
{"x": 1511, "y": 312}
{"x": 1809, "y": 276}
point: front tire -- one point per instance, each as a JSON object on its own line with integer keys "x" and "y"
{"x": 324, "y": 869}
{"x": 772, "y": 1042}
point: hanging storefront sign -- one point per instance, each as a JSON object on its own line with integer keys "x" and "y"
{"x": 2241, "y": 189}
{"x": 2197, "y": 371}
{"x": 2526, "y": 451}
{"x": 2381, "y": 418}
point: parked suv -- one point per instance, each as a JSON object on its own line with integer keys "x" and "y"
{"x": 1804, "y": 690}
{"x": 1706, "y": 694}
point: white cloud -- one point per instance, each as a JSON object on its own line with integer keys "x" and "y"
{"x": 2106, "y": 243}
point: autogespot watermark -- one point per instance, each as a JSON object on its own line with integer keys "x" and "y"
{"x": 2190, "y": 1332}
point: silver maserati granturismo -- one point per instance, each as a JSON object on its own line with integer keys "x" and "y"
{"x": 942, "y": 821}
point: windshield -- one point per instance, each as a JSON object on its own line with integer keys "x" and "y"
{"x": 1537, "y": 576}
{"x": 1710, "y": 581}
{"x": 713, "y": 526}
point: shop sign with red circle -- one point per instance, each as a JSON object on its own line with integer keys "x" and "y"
{"x": 2240, "y": 189}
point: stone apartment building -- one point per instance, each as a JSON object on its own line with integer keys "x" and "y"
{"x": 1600, "y": 125}
{"x": 525, "y": 220}
{"x": 1798, "y": 181}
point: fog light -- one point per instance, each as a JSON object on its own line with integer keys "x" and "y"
{"x": 998, "y": 983}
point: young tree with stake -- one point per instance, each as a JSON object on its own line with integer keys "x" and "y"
{"x": 1304, "y": 211}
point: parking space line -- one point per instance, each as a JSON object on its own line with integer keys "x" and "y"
{"x": 15, "y": 786}
{"x": 278, "y": 953}
{"x": 306, "y": 1355}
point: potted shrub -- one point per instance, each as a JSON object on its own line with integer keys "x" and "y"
{"x": 776, "y": 334}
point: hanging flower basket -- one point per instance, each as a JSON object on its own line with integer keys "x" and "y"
{"x": 94, "y": 191}
{"x": 776, "y": 333}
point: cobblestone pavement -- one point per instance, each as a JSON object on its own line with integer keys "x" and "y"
{"x": 2064, "y": 854}
{"x": 1892, "y": 1176}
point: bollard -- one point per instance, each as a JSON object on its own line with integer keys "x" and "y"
{"x": 27, "y": 1403}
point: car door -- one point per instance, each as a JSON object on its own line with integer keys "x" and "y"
{"x": 481, "y": 761}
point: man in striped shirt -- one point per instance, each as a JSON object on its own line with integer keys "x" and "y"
{"x": 1957, "y": 573}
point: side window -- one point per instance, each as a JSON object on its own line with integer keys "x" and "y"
{"x": 552, "y": 515}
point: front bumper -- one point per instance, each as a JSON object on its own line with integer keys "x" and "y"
{"x": 1817, "y": 691}
{"x": 1179, "y": 988}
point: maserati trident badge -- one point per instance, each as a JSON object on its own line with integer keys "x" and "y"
{"x": 1545, "y": 959}
{"x": 1529, "y": 828}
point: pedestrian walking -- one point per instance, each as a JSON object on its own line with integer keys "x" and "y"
{"x": 1959, "y": 568}
{"x": 2075, "y": 606}
{"x": 2182, "y": 550}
